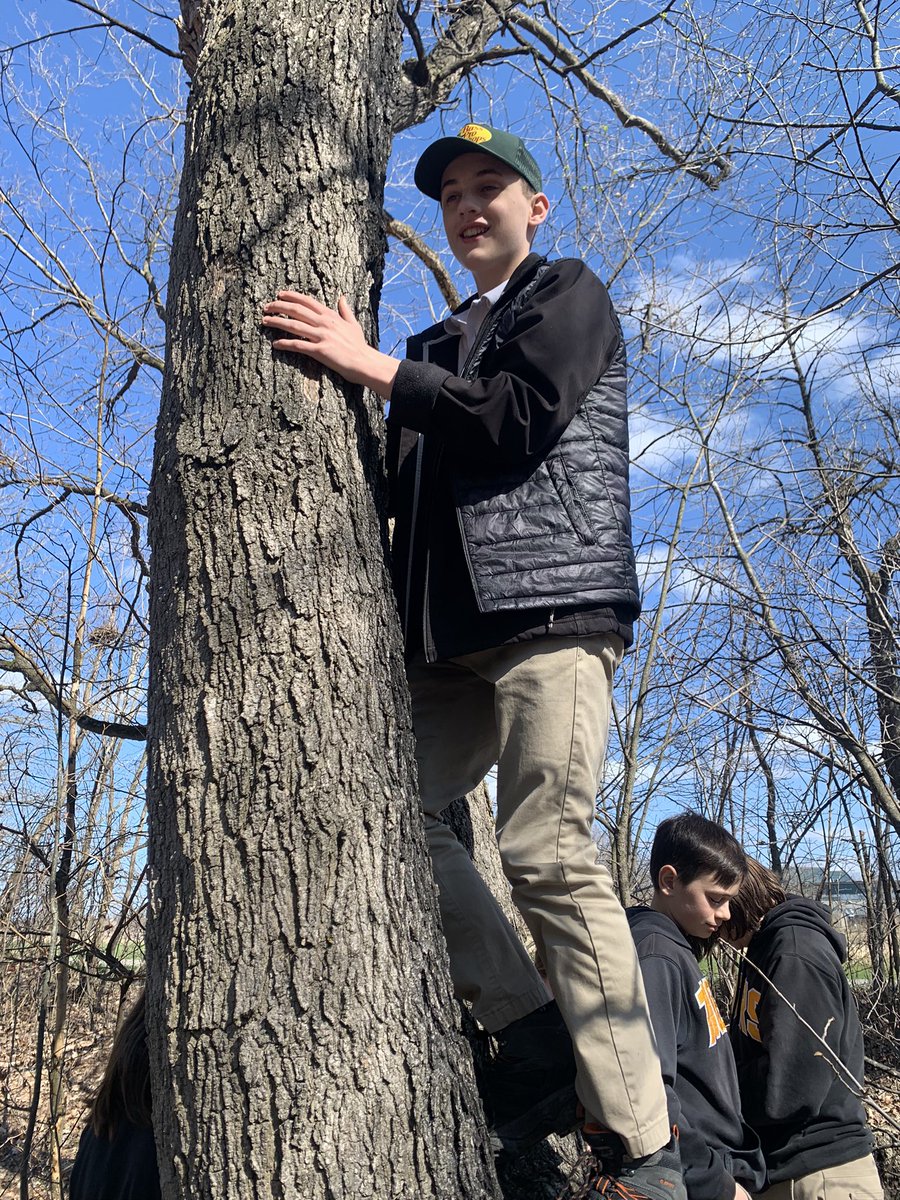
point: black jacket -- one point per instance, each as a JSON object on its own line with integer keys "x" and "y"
{"x": 698, "y": 1069}
{"x": 509, "y": 478}
{"x": 803, "y": 1104}
{"x": 122, "y": 1169}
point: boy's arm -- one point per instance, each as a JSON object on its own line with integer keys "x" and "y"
{"x": 705, "y": 1176}
{"x": 562, "y": 343}
{"x": 335, "y": 339}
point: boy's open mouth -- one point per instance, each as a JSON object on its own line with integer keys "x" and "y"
{"x": 473, "y": 231}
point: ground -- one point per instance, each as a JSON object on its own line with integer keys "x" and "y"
{"x": 93, "y": 1013}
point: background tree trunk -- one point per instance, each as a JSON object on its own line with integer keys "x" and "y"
{"x": 303, "y": 1039}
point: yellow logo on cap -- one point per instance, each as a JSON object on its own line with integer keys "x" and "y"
{"x": 475, "y": 133}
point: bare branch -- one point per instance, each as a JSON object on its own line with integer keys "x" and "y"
{"x": 113, "y": 23}
{"x": 34, "y": 847}
{"x": 881, "y": 82}
{"x": 564, "y": 62}
{"x": 410, "y": 239}
{"x": 66, "y": 284}
{"x": 45, "y": 37}
{"x": 13, "y": 658}
{"x": 424, "y": 83}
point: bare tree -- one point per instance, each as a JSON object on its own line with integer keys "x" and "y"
{"x": 659, "y": 130}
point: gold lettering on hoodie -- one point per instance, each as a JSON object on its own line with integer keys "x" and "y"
{"x": 707, "y": 1003}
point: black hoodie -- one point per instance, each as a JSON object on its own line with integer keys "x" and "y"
{"x": 803, "y": 1104}
{"x": 121, "y": 1168}
{"x": 716, "y": 1146}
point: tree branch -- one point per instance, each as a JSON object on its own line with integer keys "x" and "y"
{"x": 13, "y": 658}
{"x": 68, "y": 287}
{"x": 564, "y": 61}
{"x": 881, "y": 82}
{"x": 424, "y": 83}
{"x": 113, "y": 23}
{"x": 410, "y": 239}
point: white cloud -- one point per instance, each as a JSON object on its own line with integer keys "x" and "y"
{"x": 731, "y": 317}
{"x": 659, "y": 446}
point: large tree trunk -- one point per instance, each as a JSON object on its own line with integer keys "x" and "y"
{"x": 303, "y": 1038}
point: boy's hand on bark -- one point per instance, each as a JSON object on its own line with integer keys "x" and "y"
{"x": 335, "y": 339}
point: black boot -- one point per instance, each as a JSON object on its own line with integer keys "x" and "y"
{"x": 653, "y": 1177}
{"x": 528, "y": 1088}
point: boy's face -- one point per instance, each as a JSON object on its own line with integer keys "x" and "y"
{"x": 698, "y": 908}
{"x": 488, "y": 218}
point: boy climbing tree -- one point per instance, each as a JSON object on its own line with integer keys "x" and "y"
{"x": 514, "y": 573}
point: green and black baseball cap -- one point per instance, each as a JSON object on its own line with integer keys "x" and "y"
{"x": 482, "y": 138}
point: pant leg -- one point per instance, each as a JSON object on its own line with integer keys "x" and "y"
{"x": 778, "y": 1191}
{"x": 857, "y": 1180}
{"x": 456, "y": 746}
{"x": 552, "y": 701}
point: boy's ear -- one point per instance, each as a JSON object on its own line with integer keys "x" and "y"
{"x": 666, "y": 879}
{"x": 540, "y": 207}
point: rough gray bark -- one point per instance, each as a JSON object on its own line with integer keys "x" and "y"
{"x": 303, "y": 1038}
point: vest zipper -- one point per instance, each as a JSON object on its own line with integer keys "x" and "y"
{"x": 488, "y": 325}
{"x": 467, "y": 556}
{"x": 427, "y": 639}
{"x": 417, "y": 480}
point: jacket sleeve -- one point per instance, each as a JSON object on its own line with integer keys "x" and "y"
{"x": 799, "y": 1072}
{"x": 530, "y": 387}
{"x": 705, "y": 1177}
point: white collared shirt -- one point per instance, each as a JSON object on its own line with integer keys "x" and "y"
{"x": 468, "y": 323}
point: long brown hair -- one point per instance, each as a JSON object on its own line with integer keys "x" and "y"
{"x": 124, "y": 1091}
{"x": 759, "y": 892}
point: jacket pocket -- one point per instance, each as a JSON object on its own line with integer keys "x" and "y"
{"x": 571, "y": 501}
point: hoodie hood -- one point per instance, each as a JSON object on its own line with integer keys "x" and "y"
{"x": 797, "y": 913}
{"x": 645, "y": 921}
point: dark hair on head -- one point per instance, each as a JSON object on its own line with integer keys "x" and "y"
{"x": 124, "y": 1091}
{"x": 695, "y": 846}
{"x": 759, "y": 892}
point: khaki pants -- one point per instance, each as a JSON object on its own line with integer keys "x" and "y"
{"x": 856, "y": 1180}
{"x": 540, "y": 711}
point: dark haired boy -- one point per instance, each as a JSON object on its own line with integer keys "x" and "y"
{"x": 515, "y": 579}
{"x": 696, "y": 867}
{"x": 798, "y": 1045}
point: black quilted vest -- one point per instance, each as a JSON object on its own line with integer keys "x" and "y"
{"x": 558, "y": 534}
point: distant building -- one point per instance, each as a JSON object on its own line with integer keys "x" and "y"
{"x": 831, "y": 884}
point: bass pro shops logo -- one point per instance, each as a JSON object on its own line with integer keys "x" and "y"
{"x": 475, "y": 133}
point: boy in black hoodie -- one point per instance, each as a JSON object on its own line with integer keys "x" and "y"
{"x": 800, "y": 1072}
{"x": 696, "y": 867}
